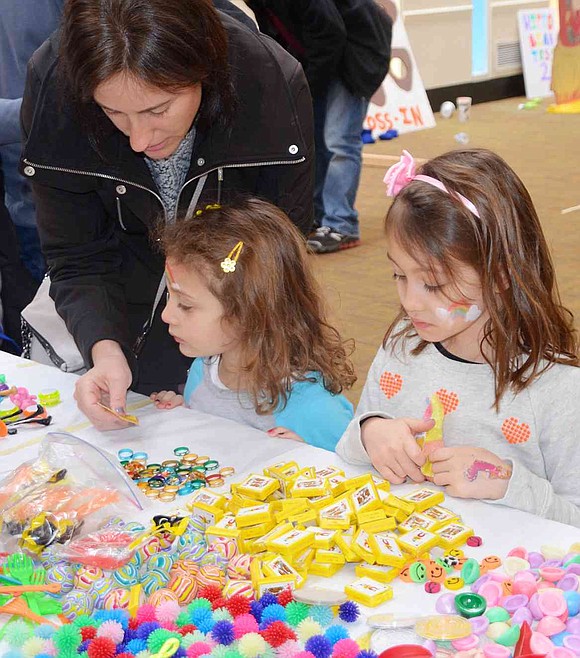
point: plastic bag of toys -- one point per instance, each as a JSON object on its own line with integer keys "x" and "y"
{"x": 71, "y": 489}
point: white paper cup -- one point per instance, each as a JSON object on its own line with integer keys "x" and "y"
{"x": 463, "y": 108}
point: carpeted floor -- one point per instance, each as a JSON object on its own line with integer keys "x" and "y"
{"x": 543, "y": 149}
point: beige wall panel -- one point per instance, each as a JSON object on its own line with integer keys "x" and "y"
{"x": 441, "y": 44}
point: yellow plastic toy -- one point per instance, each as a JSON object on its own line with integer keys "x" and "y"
{"x": 433, "y": 438}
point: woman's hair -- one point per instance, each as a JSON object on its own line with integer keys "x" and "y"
{"x": 272, "y": 297}
{"x": 168, "y": 44}
{"x": 528, "y": 328}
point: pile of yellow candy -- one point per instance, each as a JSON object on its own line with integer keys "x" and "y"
{"x": 297, "y": 522}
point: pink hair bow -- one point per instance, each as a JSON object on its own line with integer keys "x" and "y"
{"x": 403, "y": 172}
{"x": 400, "y": 174}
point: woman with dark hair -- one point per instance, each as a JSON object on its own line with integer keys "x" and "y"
{"x": 136, "y": 110}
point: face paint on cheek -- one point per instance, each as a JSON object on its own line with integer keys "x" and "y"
{"x": 459, "y": 310}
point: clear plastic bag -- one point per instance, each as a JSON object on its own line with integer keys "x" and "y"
{"x": 72, "y": 485}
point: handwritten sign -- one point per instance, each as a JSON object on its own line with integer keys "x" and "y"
{"x": 401, "y": 102}
{"x": 538, "y": 37}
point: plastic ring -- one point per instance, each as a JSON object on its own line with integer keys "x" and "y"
{"x": 154, "y": 467}
{"x": 49, "y": 397}
{"x": 181, "y": 451}
{"x": 167, "y": 496}
{"x": 469, "y": 604}
{"x": 170, "y": 463}
{"x": 152, "y": 493}
{"x": 125, "y": 454}
{"x": 217, "y": 482}
{"x": 174, "y": 480}
{"x": 227, "y": 470}
{"x": 211, "y": 465}
{"x": 186, "y": 489}
{"x": 171, "y": 488}
{"x": 156, "y": 482}
{"x": 189, "y": 458}
{"x": 198, "y": 469}
{"x": 197, "y": 484}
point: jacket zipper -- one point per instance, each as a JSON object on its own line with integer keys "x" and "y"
{"x": 220, "y": 181}
{"x": 234, "y": 166}
{"x": 120, "y": 213}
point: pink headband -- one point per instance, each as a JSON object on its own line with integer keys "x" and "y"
{"x": 401, "y": 174}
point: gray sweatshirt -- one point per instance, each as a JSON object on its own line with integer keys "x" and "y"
{"x": 537, "y": 430}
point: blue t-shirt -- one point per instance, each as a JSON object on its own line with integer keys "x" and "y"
{"x": 316, "y": 415}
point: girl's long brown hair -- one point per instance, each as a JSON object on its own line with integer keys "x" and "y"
{"x": 272, "y": 297}
{"x": 528, "y": 328}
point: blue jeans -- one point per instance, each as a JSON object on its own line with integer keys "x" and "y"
{"x": 338, "y": 119}
{"x": 30, "y": 251}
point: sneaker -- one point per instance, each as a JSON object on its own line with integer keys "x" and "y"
{"x": 326, "y": 241}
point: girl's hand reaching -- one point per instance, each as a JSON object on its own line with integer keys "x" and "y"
{"x": 392, "y": 447}
{"x": 283, "y": 433}
{"x": 167, "y": 399}
{"x": 469, "y": 472}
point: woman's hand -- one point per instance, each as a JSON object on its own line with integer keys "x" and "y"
{"x": 105, "y": 383}
{"x": 167, "y": 399}
{"x": 469, "y": 472}
{"x": 392, "y": 447}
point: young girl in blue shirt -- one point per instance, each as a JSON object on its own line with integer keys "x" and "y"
{"x": 243, "y": 301}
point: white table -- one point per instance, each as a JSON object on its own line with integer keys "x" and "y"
{"x": 249, "y": 450}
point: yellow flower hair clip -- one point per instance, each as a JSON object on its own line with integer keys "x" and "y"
{"x": 229, "y": 263}
{"x": 211, "y": 206}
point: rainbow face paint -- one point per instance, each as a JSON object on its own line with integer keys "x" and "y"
{"x": 469, "y": 312}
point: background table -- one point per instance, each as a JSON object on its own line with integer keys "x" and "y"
{"x": 249, "y": 450}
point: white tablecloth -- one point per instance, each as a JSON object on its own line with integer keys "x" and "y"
{"x": 249, "y": 450}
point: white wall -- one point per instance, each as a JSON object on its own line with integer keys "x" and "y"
{"x": 440, "y": 33}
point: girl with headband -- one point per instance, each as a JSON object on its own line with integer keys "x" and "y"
{"x": 243, "y": 300}
{"x": 481, "y": 335}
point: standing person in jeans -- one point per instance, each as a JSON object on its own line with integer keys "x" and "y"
{"x": 24, "y": 25}
{"x": 344, "y": 47}
{"x": 338, "y": 119}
